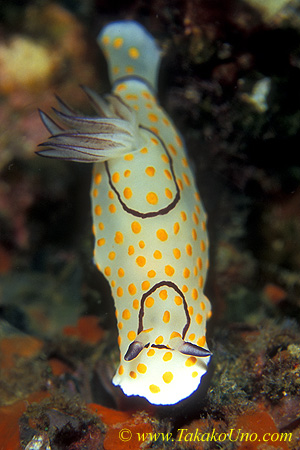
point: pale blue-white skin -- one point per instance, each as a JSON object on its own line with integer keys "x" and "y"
{"x": 148, "y": 221}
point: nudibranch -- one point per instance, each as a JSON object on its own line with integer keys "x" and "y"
{"x": 148, "y": 220}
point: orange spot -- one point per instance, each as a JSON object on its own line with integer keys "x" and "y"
{"x": 157, "y": 254}
{"x": 154, "y": 141}
{"x": 201, "y": 341}
{"x": 116, "y": 177}
{"x": 126, "y": 314}
{"x": 111, "y": 255}
{"x": 202, "y": 246}
{"x": 119, "y": 237}
{"x": 184, "y": 162}
{"x": 169, "y": 270}
{"x": 121, "y": 87}
{"x": 111, "y": 194}
{"x": 129, "y": 157}
{"x": 194, "y": 374}
{"x": 127, "y": 173}
{"x": 194, "y": 234}
{"x": 151, "y": 352}
{"x": 172, "y": 149}
{"x": 150, "y": 171}
{"x": 141, "y": 368}
{"x": 176, "y": 253}
{"x": 166, "y": 317}
{"x": 198, "y": 319}
{"x": 129, "y": 69}
{"x": 149, "y": 302}
{"x": 133, "y": 53}
{"x": 202, "y": 306}
{"x": 98, "y": 210}
{"x": 132, "y": 374}
{"x": 101, "y": 226}
{"x": 106, "y": 40}
{"x": 118, "y": 42}
{"x": 127, "y": 193}
{"x": 151, "y": 273}
{"x": 175, "y": 334}
{"x": 191, "y": 361}
{"x": 152, "y": 198}
{"x": 167, "y": 356}
{"x": 203, "y": 224}
{"x": 178, "y": 140}
{"x": 130, "y": 250}
{"x": 98, "y": 178}
{"x": 167, "y": 377}
{"x": 112, "y": 208}
{"x": 135, "y": 304}
{"x": 192, "y": 337}
{"x": 165, "y": 121}
{"x": 179, "y": 182}
{"x": 194, "y": 294}
{"x": 184, "y": 288}
{"x": 183, "y": 216}
{"x": 141, "y": 244}
{"x": 120, "y": 325}
{"x": 195, "y": 218}
{"x": 176, "y": 228}
{"x": 131, "y": 335}
{"x": 121, "y": 272}
{"x": 168, "y": 193}
{"x": 159, "y": 340}
{"x": 131, "y": 97}
{"x": 136, "y": 227}
{"x": 189, "y": 250}
{"x": 107, "y": 271}
{"x": 141, "y": 261}
{"x": 200, "y": 281}
{"x": 197, "y": 196}
{"x": 154, "y": 389}
{"x": 163, "y": 294}
{"x": 162, "y": 235}
{"x": 178, "y": 300}
{"x": 120, "y": 294}
{"x": 191, "y": 310}
{"x": 121, "y": 370}
{"x": 154, "y": 129}
{"x": 165, "y": 158}
{"x": 146, "y": 95}
{"x": 186, "y": 179}
{"x": 186, "y": 272}
{"x": 145, "y": 285}
{"x": 152, "y": 117}
{"x": 199, "y": 263}
{"x": 144, "y": 150}
{"x": 168, "y": 174}
{"x": 95, "y": 192}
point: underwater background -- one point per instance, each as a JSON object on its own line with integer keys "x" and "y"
{"x": 230, "y": 81}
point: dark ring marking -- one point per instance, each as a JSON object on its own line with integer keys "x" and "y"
{"x": 176, "y": 289}
{"x": 151, "y": 213}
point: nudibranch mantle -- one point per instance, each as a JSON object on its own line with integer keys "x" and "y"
{"x": 148, "y": 220}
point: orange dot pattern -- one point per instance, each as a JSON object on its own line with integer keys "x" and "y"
{"x": 150, "y": 234}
